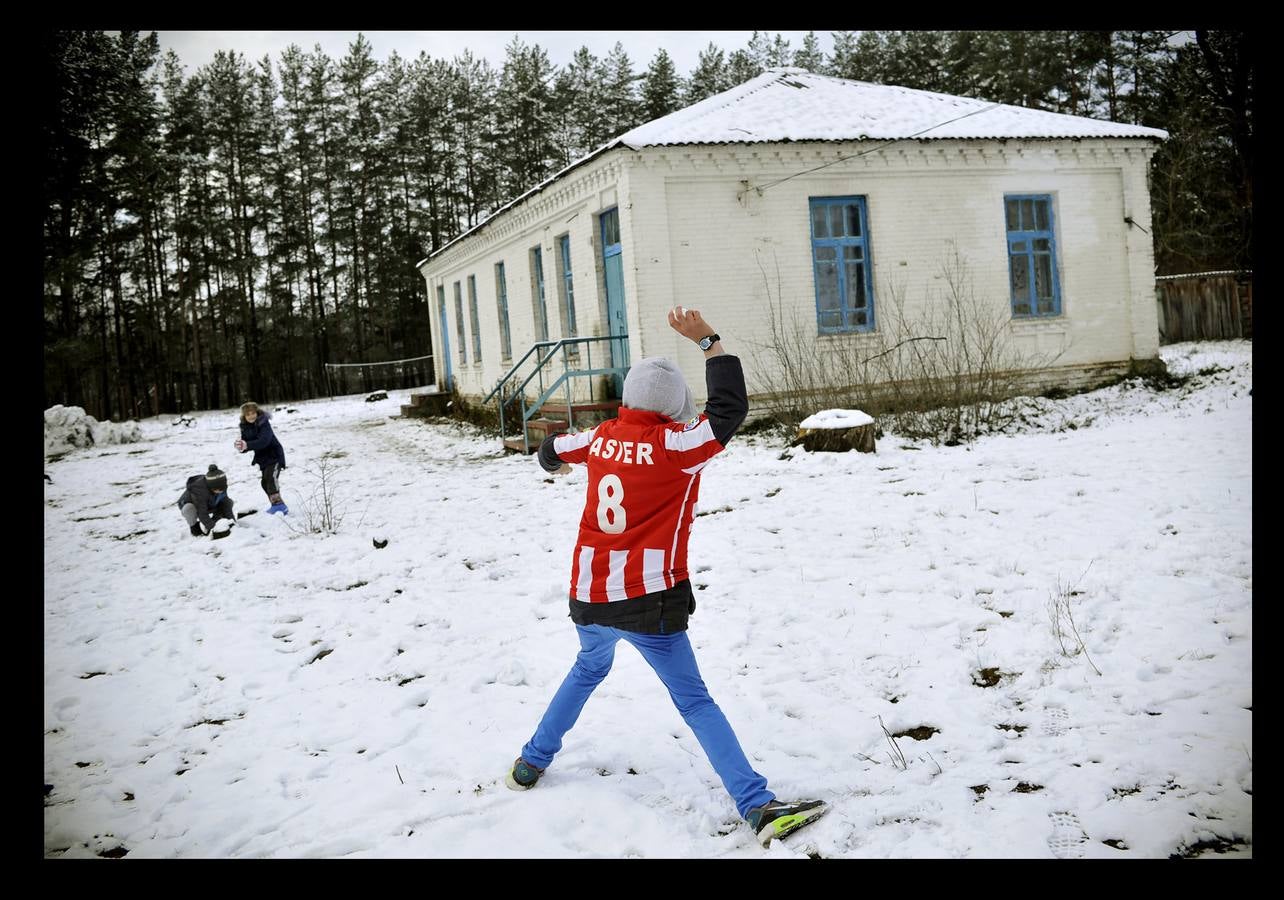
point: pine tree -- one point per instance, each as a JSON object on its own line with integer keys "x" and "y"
{"x": 356, "y": 184}
{"x": 661, "y": 88}
{"x": 963, "y": 51}
{"x": 842, "y": 60}
{"x": 871, "y": 59}
{"x": 620, "y": 94}
{"x": 742, "y": 67}
{"x": 180, "y": 123}
{"x": 300, "y": 200}
{"x": 709, "y": 77}
{"x": 916, "y": 59}
{"x": 135, "y": 159}
{"x": 279, "y": 233}
{"x": 524, "y": 103}
{"x": 1227, "y": 57}
{"x": 584, "y": 89}
{"x": 1130, "y": 73}
{"x": 1076, "y": 56}
{"x": 404, "y": 294}
{"x": 759, "y": 51}
{"x": 779, "y": 55}
{"x": 809, "y": 56}
{"x": 322, "y": 102}
{"x": 436, "y": 143}
{"x": 1019, "y": 68}
{"x": 473, "y": 104}
{"x": 229, "y": 86}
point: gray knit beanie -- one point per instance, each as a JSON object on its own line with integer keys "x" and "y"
{"x": 655, "y": 384}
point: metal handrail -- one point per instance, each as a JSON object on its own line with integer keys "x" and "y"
{"x": 563, "y": 345}
{"x": 511, "y": 372}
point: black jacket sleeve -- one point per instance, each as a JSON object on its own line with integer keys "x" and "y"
{"x": 728, "y": 400}
{"x": 548, "y": 458}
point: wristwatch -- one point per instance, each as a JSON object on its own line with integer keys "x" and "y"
{"x": 706, "y": 342}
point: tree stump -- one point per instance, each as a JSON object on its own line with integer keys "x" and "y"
{"x": 836, "y": 431}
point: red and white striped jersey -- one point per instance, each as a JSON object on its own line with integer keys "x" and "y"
{"x": 643, "y": 484}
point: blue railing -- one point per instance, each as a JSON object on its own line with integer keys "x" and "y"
{"x": 568, "y": 349}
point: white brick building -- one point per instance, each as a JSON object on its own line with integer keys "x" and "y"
{"x": 823, "y": 196}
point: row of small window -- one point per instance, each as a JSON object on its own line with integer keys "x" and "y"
{"x": 844, "y": 281}
{"x": 566, "y": 291}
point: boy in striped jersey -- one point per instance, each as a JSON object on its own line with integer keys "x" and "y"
{"x": 629, "y": 572}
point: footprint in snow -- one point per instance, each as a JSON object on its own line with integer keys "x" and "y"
{"x": 1067, "y": 838}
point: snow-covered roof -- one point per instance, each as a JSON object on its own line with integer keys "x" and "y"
{"x": 789, "y": 104}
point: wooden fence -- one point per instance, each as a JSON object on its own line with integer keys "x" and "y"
{"x": 1205, "y": 306}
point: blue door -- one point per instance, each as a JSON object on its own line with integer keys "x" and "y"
{"x": 613, "y": 265}
{"x": 445, "y": 334}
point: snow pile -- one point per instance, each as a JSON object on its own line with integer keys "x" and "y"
{"x": 836, "y": 418}
{"x": 69, "y": 427}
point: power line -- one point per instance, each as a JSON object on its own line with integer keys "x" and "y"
{"x": 771, "y": 184}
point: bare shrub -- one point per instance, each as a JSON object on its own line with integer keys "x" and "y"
{"x": 323, "y": 511}
{"x": 945, "y": 369}
{"x": 1061, "y": 621}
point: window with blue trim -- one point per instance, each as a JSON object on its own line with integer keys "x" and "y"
{"x": 1032, "y": 255}
{"x": 567, "y": 285}
{"x": 841, "y": 263}
{"x": 459, "y": 322}
{"x": 501, "y": 302}
{"x": 472, "y": 317}
{"x": 537, "y": 286}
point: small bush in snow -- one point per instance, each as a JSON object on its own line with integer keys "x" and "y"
{"x": 1061, "y": 621}
{"x": 322, "y": 512}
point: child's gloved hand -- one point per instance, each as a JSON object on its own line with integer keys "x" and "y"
{"x": 564, "y": 470}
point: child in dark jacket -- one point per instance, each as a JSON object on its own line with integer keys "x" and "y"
{"x": 269, "y": 455}
{"x": 204, "y": 501}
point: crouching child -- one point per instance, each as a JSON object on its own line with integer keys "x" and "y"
{"x": 204, "y": 501}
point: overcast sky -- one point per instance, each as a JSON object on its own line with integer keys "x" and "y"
{"x": 196, "y": 48}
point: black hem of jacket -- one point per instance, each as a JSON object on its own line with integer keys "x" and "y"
{"x": 659, "y": 612}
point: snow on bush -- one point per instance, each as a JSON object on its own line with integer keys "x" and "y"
{"x": 68, "y": 427}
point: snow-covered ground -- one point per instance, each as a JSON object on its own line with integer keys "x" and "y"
{"x": 280, "y": 693}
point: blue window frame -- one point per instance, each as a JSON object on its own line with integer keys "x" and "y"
{"x": 841, "y": 262}
{"x": 568, "y": 286}
{"x": 459, "y": 322}
{"x": 1032, "y": 255}
{"x": 537, "y": 279}
{"x": 501, "y": 303}
{"x": 472, "y": 317}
